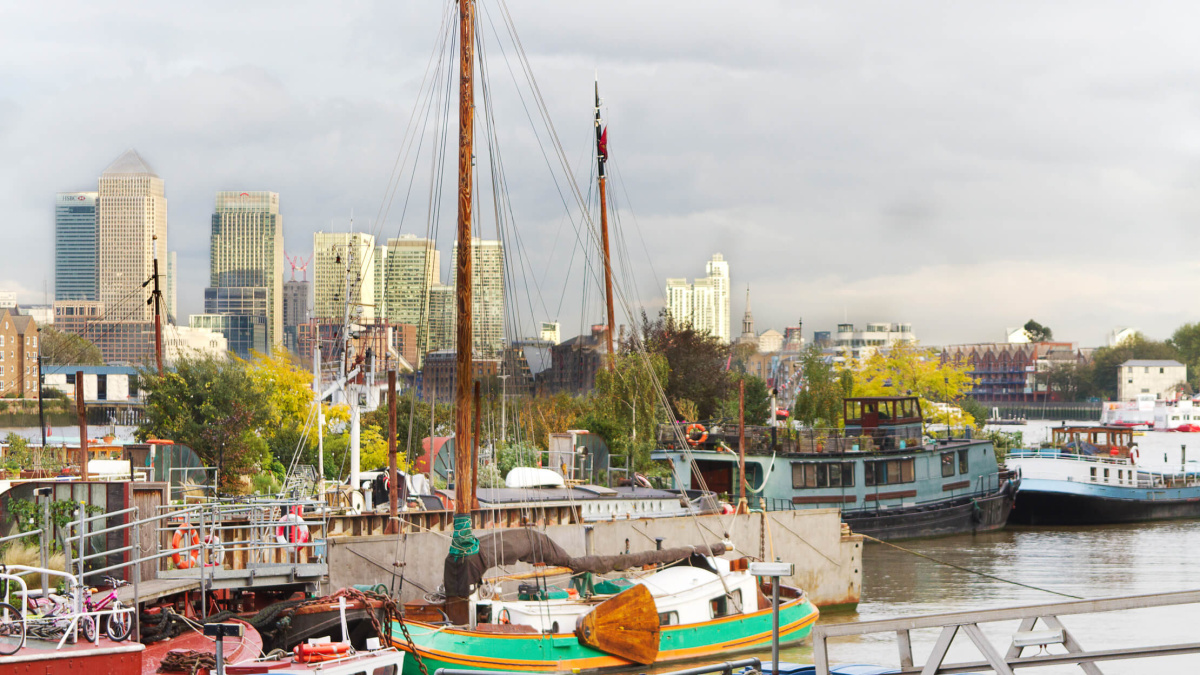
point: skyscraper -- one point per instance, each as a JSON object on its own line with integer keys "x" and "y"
{"x": 487, "y": 297}
{"x": 441, "y": 318}
{"x": 704, "y": 304}
{"x": 335, "y": 254}
{"x": 246, "y": 251}
{"x": 411, "y": 268}
{"x": 75, "y": 246}
{"x": 295, "y": 311}
{"x": 718, "y": 276}
{"x": 131, "y": 228}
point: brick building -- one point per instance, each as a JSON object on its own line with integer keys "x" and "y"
{"x": 120, "y": 342}
{"x": 575, "y": 362}
{"x": 441, "y": 370}
{"x": 18, "y": 355}
{"x": 1011, "y": 372}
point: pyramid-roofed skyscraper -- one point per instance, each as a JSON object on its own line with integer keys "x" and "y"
{"x": 131, "y": 224}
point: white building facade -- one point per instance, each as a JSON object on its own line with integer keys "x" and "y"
{"x": 1149, "y": 376}
{"x": 703, "y": 304}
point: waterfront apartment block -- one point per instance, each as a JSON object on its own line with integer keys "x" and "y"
{"x": 1160, "y": 378}
{"x": 1011, "y": 372}
{"x": 337, "y": 255}
{"x": 18, "y": 355}
{"x": 246, "y": 251}
{"x": 119, "y": 341}
{"x": 131, "y": 229}
{"x": 75, "y": 272}
{"x": 703, "y": 304}
{"x": 861, "y": 344}
{"x": 487, "y": 296}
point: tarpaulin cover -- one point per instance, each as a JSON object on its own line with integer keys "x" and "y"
{"x": 533, "y": 547}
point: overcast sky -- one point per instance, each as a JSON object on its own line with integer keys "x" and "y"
{"x": 960, "y": 166}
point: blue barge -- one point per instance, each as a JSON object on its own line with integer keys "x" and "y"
{"x": 888, "y": 479}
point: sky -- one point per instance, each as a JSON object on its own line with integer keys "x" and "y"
{"x": 963, "y": 167}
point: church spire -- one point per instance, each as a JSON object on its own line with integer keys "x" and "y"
{"x": 748, "y": 319}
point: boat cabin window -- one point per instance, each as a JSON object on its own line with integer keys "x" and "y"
{"x": 721, "y": 605}
{"x": 1093, "y": 473}
{"x": 947, "y": 464}
{"x": 822, "y": 474}
{"x": 962, "y": 461}
{"x": 889, "y": 472}
{"x": 668, "y": 618}
{"x": 385, "y": 670}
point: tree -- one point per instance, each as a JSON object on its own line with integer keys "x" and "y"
{"x": 1106, "y": 361}
{"x": 211, "y": 405}
{"x": 1069, "y": 381}
{"x": 67, "y": 349}
{"x": 696, "y": 363}
{"x": 758, "y": 400}
{"x": 1037, "y": 332}
{"x": 819, "y": 403}
{"x": 1186, "y": 341}
{"x": 624, "y": 405}
{"x": 911, "y": 370}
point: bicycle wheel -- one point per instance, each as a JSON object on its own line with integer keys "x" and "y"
{"x": 87, "y": 626}
{"x": 119, "y": 625}
{"x": 12, "y": 630}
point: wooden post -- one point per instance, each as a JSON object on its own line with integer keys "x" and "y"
{"x": 393, "y": 485}
{"x": 601, "y": 160}
{"x": 81, "y": 410}
{"x": 743, "y": 502}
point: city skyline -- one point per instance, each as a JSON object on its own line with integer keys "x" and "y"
{"x": 906, "y": 182}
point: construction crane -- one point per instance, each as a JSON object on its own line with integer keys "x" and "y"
{"x": 298, "y": 263}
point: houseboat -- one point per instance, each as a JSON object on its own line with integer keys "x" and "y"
{"x": 889, "y": 480}
{"x": 1096, "y": 475}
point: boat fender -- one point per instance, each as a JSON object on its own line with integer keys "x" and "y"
{"x": 1134, "y": 455}
{"x": 291, "y": 530}
{"x": 185, "y": 559}
{"x": 696, "y": 428}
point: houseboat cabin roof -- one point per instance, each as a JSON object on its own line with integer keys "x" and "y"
{"x": 1102, "y": 437}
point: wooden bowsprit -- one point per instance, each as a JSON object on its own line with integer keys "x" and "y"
{"x": 625, "y": 625}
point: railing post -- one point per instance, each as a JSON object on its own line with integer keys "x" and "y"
{"x": 137, "y": 575}
{"x": 820, "y": 652}
{"x": 203, "y": 557}
{"x": 44, "y": 545}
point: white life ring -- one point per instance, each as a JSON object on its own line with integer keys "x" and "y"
{"x": 1134, "y": 455}
{"x": 216, "y": 551}
{"x": 291, "y": 530}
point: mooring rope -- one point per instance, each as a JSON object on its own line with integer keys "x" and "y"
{"x": 967, "y": 569}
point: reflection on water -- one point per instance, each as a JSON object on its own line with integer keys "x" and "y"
{"x": 1083, "y": 561}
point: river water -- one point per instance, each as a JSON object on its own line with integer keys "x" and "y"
{"x": 1089, "y": 562}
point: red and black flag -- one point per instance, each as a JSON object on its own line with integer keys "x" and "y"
{"x": 603, "y": 143}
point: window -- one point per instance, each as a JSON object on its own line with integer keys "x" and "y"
{"x": 890, "y": 472}
{"x": 822, "y": 474}
{"x": 385, "y": 670}
{"x": 947, "y": 464}
{"x": 70, "y": 378}
{"x": 1161, "y": 371}
{"x": 1106, "y": 474}
{"x": 721, "y": 605}
{"x": 1146, "y": 370}
{"x": 1093, "y": 473}
{"x": 962, "y": 461}
{"x": 668, "y": 618}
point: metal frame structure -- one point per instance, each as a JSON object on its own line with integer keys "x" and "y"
{"x": 995, "y": 658}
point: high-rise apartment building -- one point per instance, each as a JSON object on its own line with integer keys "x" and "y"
{"x": 246, "y": 251}
{"x": 717, "y": 270}
{"x": 131, "y": 229}
{"x": 487, "y": 296}
{"x": 704, "y": 304}
{"x": 441, "y": 318}
{"x": 551, "y": 332}
{"x": 412, "y": 267}
{"x": 336, "y": 254}
{"x": 295, "y": 311}
{"x": 75, "y": 246}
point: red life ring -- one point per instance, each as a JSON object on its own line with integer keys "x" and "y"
{"x": 291, "y": 530}
{"x": 696, "y": 440}
{"x": 1134, "y": 455}
{"x": 185, "y": 559}
{"x": 321, "y": 652}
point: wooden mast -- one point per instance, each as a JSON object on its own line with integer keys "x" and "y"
{"x": 463, "y": 499}
{"x": 601, "y": 160}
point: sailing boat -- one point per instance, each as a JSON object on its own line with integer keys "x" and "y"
{"x": 693, "y": 605}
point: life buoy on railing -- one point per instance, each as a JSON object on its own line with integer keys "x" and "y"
{"x": 326, "y": 651}
{"x": 1134, "y": 455}
{"x": 503, "y": 617}
{"x": 693, "y": 429}
{"x": 291, "y": 530}
{"x": 185, "y": 559}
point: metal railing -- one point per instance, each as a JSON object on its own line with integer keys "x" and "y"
{"x": 1054, "y": 633}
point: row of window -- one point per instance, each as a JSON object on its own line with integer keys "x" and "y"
{"x": 876, "y": 472}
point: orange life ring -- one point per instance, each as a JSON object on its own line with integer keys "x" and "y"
{"x": 503, "y": 617}
{"x": 185, "y": 559}
{"x": 696, "y": 427}
{"x": 326, "y": 651}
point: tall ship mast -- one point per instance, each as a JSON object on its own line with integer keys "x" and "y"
{"x": 601, "y": 161}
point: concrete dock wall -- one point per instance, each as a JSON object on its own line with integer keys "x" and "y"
{"x": 828, "y": 563}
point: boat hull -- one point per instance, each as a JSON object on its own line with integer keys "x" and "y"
{"x": 442, "y": 647}
{"x": 1053, "y": 502}
{"x": 961, "y": 515}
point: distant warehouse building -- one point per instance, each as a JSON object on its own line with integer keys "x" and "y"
{"x": 1147, "y": 376}
{"x": 101, "y": 384}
